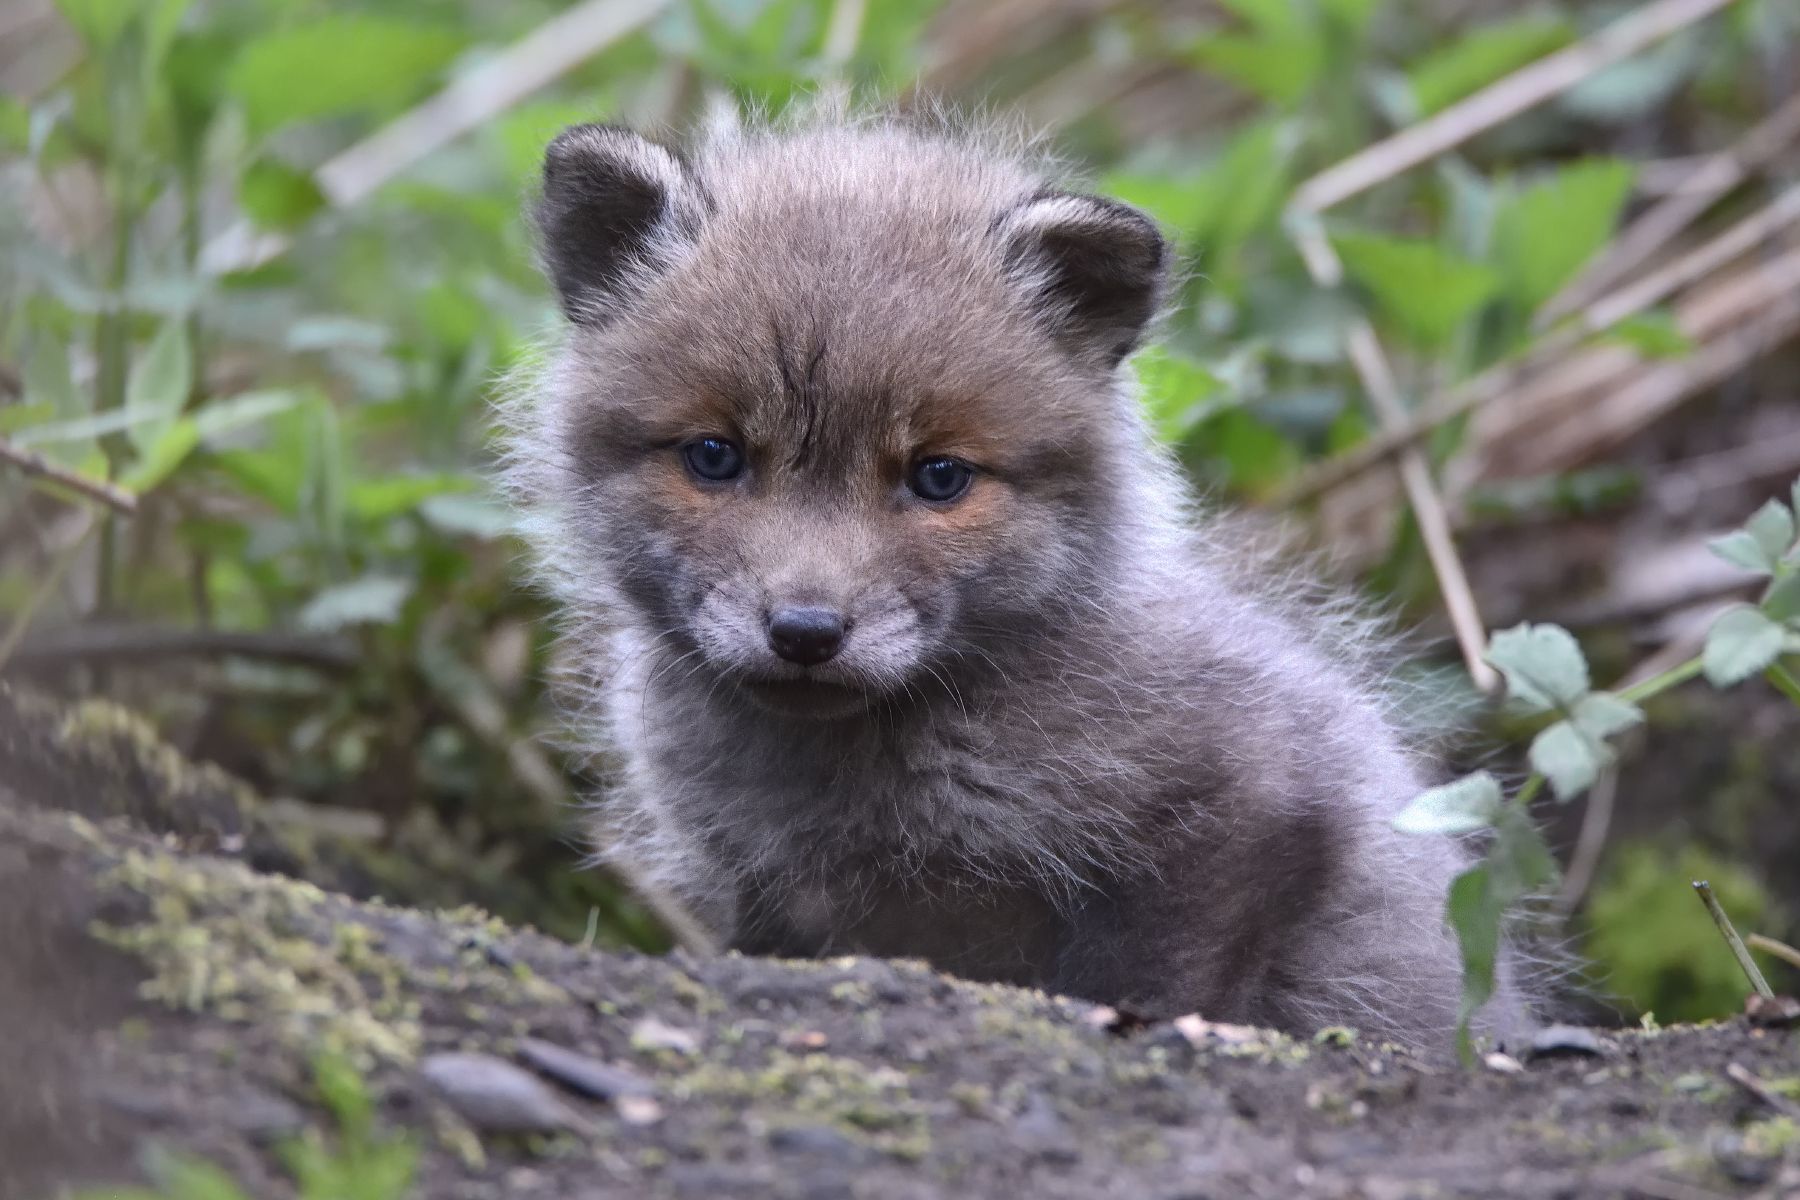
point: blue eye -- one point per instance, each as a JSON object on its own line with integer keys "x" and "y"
{"x": 713, "y": 459}
{"x": 940, "y": 480}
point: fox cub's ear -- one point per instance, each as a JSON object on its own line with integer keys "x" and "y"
{"x": 614, "y": 207}
{"x": 1095, "y": 265}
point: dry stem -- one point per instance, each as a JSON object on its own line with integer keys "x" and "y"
{"x": 35, "y": 464}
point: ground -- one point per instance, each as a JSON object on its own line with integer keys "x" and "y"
{"x": 166, "y": 992}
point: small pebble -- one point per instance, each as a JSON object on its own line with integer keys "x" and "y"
{"x": 652, "y": 1034}
{"x": 1772, "y": 1012}
{"x": 1554, "y": 1040}
{"x": 494, "y": 1096}
{"x": 581, "y": 1074}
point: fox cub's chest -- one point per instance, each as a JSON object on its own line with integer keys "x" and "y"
{"x": 1005, "y": 935}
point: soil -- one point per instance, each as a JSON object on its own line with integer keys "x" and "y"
{"x": 163, "y": 992}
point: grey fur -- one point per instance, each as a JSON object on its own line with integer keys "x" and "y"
{"x": 1076, "y": 738}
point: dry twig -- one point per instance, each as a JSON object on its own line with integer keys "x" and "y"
{"x": 35, "y": 464}
{"x": 1547, "y": 355}
{"x": 1522, "y": 90}
{"x": 1781, "y": 950}
{"x": 1710, "y": 180}
{"x": 1377, "y": 376}
{"x": 539, "y": 58}
{"x": 1704, "y": 890}
{"x": 1759, "y": 1091}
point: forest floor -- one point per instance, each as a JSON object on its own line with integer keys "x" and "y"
{"x": 161, "y": 990}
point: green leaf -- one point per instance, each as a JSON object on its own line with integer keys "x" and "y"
{"x": 162, "y": 457}
{"x": 185, "y": 1178}
{"x": 1353, "y": 15}
{"x": 99, "y": 22}
{"x": 1783, "y": 600}
{"x": 1281, "y": 69}
{"x": 15, "y": 125}
{"x": 1569, "y": 758}
{"x": 1543, "y": 665}
{"x": 1740, "y": 643}
{"x": 467, "y": 516}
{"x": 379, "y": 499}
{"x": 1474, "y": 912}
{"x": 222, "y": 417}
{"x": 92, "y": 426}
{"x": 371, "y": 600}
{"x": 159, "y": 382}
{"x": 345, "y": 63}
{"x": 277, "y": 196}
{"x": 1461, "y": 806}
{"x": 1572, "y": 752}
{"x": 345, "y": 1094}
{"x": 1521, "y": 861}
{"x": 1772, "y": 526}
{"x": 1741, "y": 549}
{"x": 1427, "y": 291}
{"x": 1483, "y": 55}
{"x": 1602, "y": 714}
{"x": 1633, "y": 89}
{"x": 15, "y": 417}
{"x": 1653, "y": 335}
{"x": 1177, "y": 392}
{"x": 1783, "y": 681}
{"x": 49, "y": 382}
{"x": 1546, "y": 232}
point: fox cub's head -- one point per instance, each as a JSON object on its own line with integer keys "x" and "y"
{"x": 840, "y": 405}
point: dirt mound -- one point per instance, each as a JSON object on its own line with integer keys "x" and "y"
{"x": 163, "y": 994}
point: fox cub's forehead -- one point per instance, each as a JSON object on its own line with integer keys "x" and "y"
{"x": 859, "y": 270}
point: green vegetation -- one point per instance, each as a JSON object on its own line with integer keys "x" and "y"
{"x": 358, "y": 1163}
{"x": 247, "y": 374}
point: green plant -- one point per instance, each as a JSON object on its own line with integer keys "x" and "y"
{"x": 1547, "y": 677}
{"x": 358, "y": 1164}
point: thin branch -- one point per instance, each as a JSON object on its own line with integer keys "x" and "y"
{"x": 114, "y": 642}
{"x": 47, "y": 584}
{"x": 1377, "y": 376}
{"x": 1522, "y": 90}
{"x": 533, "y": 62}
{"x": 1506, "y": 378}
{"x": 844, "y": 30}
{"x": 1781, "y": 950}
{"x": 1662, "y": 222}
{"x": 35, "y": 464}
{"x": 1762, "y": 323}
{"x": 1704, "y": 890}
{"x": 1761, "y": 1092}
{"x": 1596, "y": 821}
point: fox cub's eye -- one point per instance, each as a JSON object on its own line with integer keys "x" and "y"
{"x": 940, "y": 479}
{"x": 713, "y": 459}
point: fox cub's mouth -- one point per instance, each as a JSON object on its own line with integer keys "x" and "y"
{"x": 804, "y": 697}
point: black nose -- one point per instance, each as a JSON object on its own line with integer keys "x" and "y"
{"x": 807, "y": 635}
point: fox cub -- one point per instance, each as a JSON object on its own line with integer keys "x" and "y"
{"x": 902, "y": 632}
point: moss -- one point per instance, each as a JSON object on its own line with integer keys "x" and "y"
{"x": 1652, "y": 941}
{"x": 281, "y": 954}
{"x": 243, "y": 947}
{"x": 697, "y": 996}
{"x": 874, "y": 1105}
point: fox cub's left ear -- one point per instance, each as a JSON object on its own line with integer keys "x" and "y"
{"x": 1097, "y": 266}
{"x": 615, "y": 208}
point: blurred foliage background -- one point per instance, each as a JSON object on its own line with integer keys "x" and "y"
{"x": 262, "y": 264}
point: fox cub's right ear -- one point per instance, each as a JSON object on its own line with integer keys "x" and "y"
{"x": 614, "y": 207}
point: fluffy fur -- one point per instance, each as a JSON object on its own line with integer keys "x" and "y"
{"x": 1074, "y": 738}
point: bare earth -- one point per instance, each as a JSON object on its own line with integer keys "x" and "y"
{"x": 160, "y": 990}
